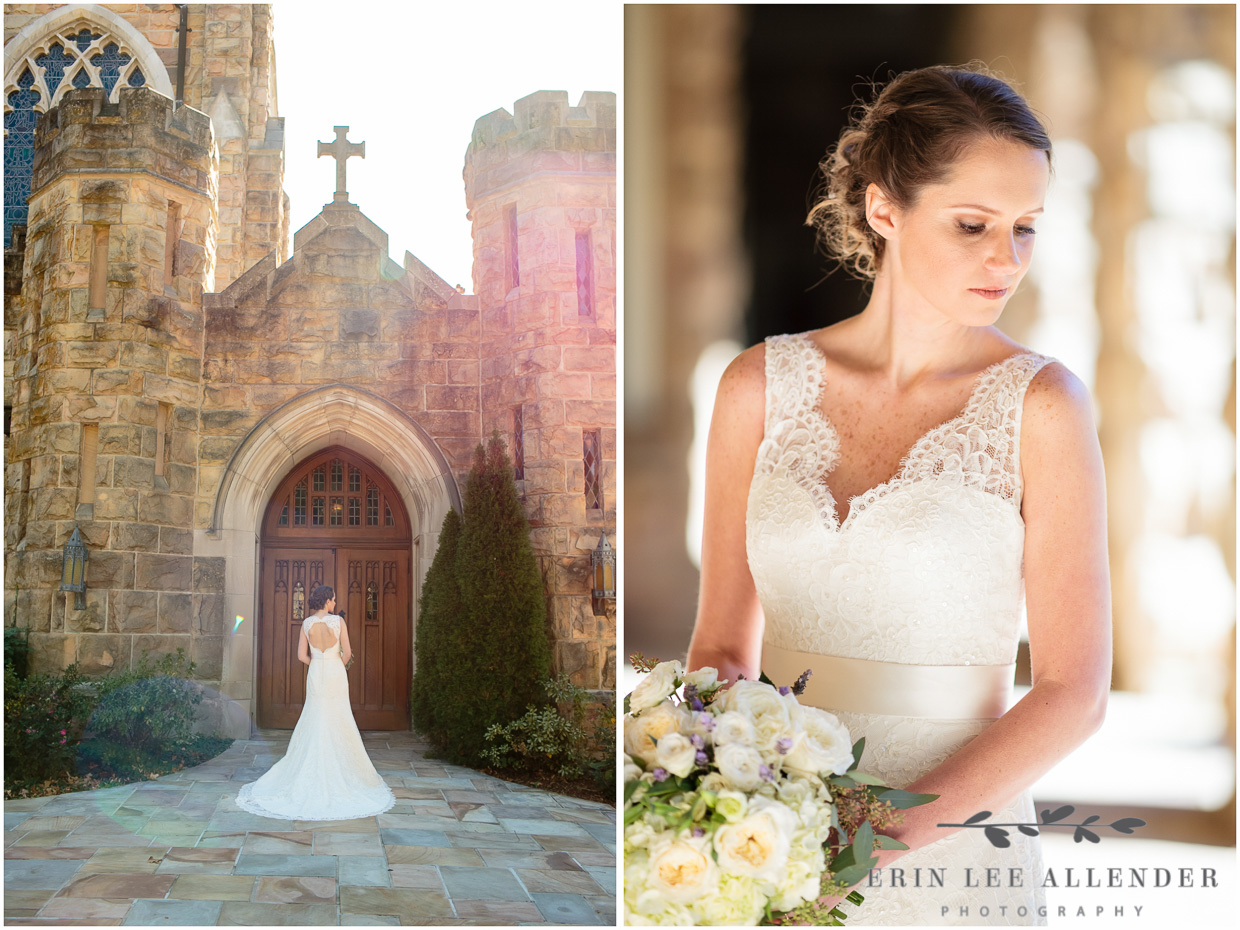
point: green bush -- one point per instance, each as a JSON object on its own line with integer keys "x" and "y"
{"x": 560, "y": 737}
{"x": 148, "y": 707}
{"x": 439, "y": 620}
{"x": 17, "y": 649}
{"x": 43, "y": 718}
{"x": 491, "y": 632}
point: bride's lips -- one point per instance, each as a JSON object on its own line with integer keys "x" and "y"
{"x": 990, "y": 293}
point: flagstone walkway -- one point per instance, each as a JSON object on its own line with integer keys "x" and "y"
{"x": 459, "y": 847}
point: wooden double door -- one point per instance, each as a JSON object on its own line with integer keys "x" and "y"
{"x": 336, "y": 520}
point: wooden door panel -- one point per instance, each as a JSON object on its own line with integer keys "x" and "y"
{"x": 337, "y": 519}
{"x": 288, "y": 577}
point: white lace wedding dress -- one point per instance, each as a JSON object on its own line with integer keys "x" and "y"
{"x": 908, "y": 612}
{"x": 325, "y": 774}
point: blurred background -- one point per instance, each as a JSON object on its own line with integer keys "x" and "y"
{"x": 728, "y": 111}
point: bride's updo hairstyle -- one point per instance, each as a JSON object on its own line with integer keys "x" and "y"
{"x": 909, "y": 137}
{"x": 319, "y": 597}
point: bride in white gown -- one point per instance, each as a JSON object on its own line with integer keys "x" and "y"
{"x": 882, "y": 492}
{"x": 325, "y": 774}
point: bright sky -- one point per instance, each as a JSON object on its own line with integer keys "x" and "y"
{"x": 410, "y": 80}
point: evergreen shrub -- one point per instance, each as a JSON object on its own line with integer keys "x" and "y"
{"x": 493, "y": 653}
{"x": 438, "y": 624}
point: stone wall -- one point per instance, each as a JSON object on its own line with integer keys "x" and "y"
{"x": 555, "y": 165}
{"x": 339, "y": 311}
{"x": 110, "y": 368}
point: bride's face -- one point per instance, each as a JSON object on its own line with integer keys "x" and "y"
{"x": 966, "y": 243}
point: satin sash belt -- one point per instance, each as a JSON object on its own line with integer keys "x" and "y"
{"x": 868, "y": 687}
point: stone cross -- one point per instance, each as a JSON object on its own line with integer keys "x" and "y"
{"x": 341, "y": 150}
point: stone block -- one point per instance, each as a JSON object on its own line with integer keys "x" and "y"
{"x": 44, "y": 471}
{"x": 162, "y": 572}
{"x": 166, "y": 509}
{"x": 444, "y": 397}
{"x": 182, "y": 479}
{"x": 590, "y": 358}
{"x": 90, "y": 409}
{"x": 359, "y": 324}
{"x": 156, "y": 645}
{"x": 175, "y": 613}
{"x": 231, "y": 421}
{"x": 130, "y": 471}
{"x": 186, "y": 367}
{"x": 572, "y": 618}
{"x": 117, "y": 381}
{"x": 116, "y": 503}
{"x": 210, "y": 613}
{"x": 176, "y": 540}
{"x": 581, "y": 661}
{"x": 137, "y": 411}
{"x": 133, "y": 611}
{"x": 209, "y": 575}
{"x": 207, "y": 652}
{"x": 53, "y": 503}
{"x": 99, "y": 653}
{"x": 182, "y": 447}
{"x": 140, "y": 536}
{"x": 589, "y": 413}
{"x": 32, "y": 608}
{"x": 92, "y": 619}
{"x": 90, "y": 354}
{"x": 51, "y": 653}
{"x": 110, "y": 569}
{"x": 119, "y": 439}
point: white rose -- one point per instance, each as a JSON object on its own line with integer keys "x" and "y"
{"x": 631, "y": 771}
{"x": 740, "y": 765}
{"x": 757, "y": 846}
{"x": 703, "y": 678}
{"x": 765, "y": 707}
{"x": 681, "y": 870}
{"x": 825, "y": 748}
{"x": 655, "y": 686}
{"x": 641, "y": 732}
{"x": 676, "y": 754}
{"x": 733, "y": 727}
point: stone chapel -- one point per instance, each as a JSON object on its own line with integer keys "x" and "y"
{"x": 230, "y": 412}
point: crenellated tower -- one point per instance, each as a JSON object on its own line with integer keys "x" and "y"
{"x": 540, "y": 184}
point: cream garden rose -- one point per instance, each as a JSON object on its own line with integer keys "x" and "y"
{"x": 824, "y": 748}
{"x": 757, "y": 846}
{"x": 765, "y": 707}
{"x": 675, "y": 753}
{"x": 655, "y": 686}
{"x": 681, "y": 869}
{"x": 741, "y": 766}
{"x": 641, "y": 732}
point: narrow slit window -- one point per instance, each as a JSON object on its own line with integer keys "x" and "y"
{"x": 161, "y": 438}
{"x": 337, "y": 476}
{"x": 510, "y": 238}
{"x": 355, "y": 511}
{"x": 299, "y": 505}
{"x": 591, "y": 455}
{"x": 518, "y": 442}
{"x": 585, "y": 274}
{"x": 316, "y": 514}
{"x": 99, "y": 269}
{"x": 372, "y": 506}
{"x": 86, "y": 474}
{"x": 172, "y": 235}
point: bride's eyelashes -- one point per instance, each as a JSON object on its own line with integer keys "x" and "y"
{"x": 974, "y": 229}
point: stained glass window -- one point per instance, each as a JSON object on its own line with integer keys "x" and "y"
{"x": 591, "y": 454}
{"x": 585, "y": 274}
{"x": 518, "y": 442}
{"x": 19, "y": 125}
{"x": 109, "y": 62}
{"x": 372, "y": 602}
{"x": 84, "y": 38}
{"x": 299, "y": 601}
{"x": 54, "y": 64}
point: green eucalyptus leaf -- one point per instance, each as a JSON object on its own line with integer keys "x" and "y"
{"x": 864, "y": 779}
{"x": 901, "y": 799}
{"x": 858, "y": 749}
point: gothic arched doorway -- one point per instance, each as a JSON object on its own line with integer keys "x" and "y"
{"x": 336, "y": 519}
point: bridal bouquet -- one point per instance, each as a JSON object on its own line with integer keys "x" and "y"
{"x": 733, "y": 799}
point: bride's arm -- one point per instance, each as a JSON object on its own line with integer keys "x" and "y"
{"x": 727, "y": 634}
{"x": 1068, "y": 599}
{"x": 346, "y": 651}
{"x": 303, "y": 647}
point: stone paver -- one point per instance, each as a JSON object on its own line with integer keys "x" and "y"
{"x": 458, "y": 847}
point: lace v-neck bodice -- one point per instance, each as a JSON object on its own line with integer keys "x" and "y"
{"x": 921, "y": 582}
{"x": 926, "y": 567}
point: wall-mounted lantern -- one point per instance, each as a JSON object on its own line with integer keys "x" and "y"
{"x": 603, "y": 567}
{"x": 73, "y": 574}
